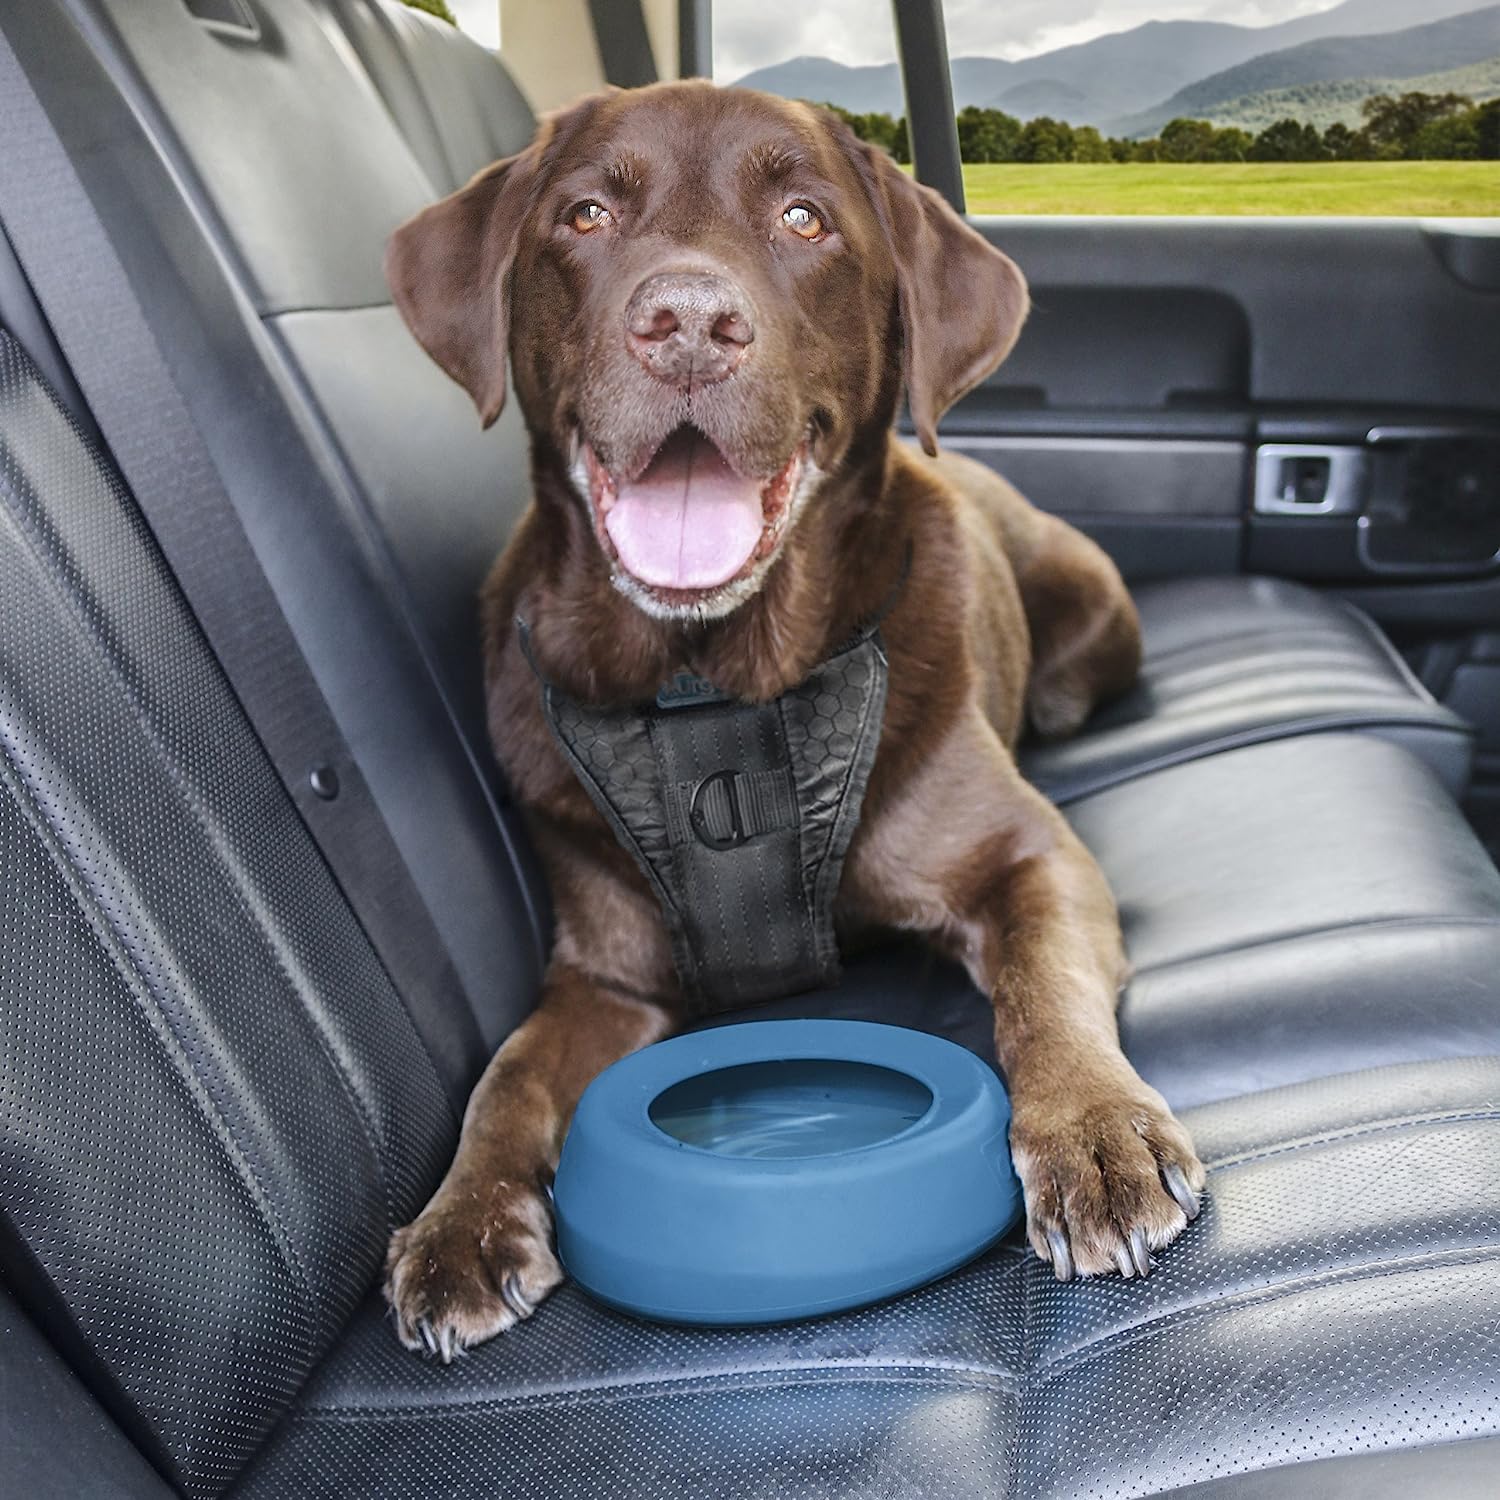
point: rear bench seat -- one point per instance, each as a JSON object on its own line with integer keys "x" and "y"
{"x": 215, "y": 1104}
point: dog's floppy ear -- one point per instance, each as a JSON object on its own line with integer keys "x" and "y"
{"x": 449, "y": 272}
{"x": 962, "y": 301}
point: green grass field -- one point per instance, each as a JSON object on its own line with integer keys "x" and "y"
{"x": 1469, "y": 189}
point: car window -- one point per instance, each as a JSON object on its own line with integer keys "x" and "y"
{"x": 841, "y": 54}
{"x": 1363, "y": 107}
{"x": 479, "y": 18}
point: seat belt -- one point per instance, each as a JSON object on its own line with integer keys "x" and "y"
{"x": 96, "y": 319}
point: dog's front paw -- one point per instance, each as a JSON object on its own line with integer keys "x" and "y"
{"x": 1109, "y": 1176}
{"x": 458, "y": 1275}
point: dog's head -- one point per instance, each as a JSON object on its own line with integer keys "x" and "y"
{"x": 708, "y": 298}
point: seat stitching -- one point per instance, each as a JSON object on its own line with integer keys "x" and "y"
{"x": 1378, "y": 1127}
{"x": 1250, "y": 1296}
{"x": 914, "y": 1371}
{"x": 1361, "y": 924}
{"x": 1107, "y": 780}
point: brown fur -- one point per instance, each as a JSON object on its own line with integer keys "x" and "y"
{"x": 1005, "y": 614}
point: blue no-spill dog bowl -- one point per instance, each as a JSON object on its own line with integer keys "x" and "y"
{"x": 782, "y": 1169}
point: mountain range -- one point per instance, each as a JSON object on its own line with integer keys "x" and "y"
{"x": 1324, "y": 104}
{"x": 1132, "y": 82}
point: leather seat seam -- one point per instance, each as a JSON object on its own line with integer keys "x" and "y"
{"x": 273, "y": 314}
{"x": 607, "y": 1392}
{"x": 405, "y": 50}
{"x": 1065, "y": 795}
{"x": 1325, "y": 632}
{"x": 1256, "y": 681}
{"x": 1360, "y": 924}
{"x": 1383, "y": 644}
{"x": 1287, "y": 1148}
{"x": 1252, "y": 1296}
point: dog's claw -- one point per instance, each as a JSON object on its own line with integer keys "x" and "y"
{"x": 1062, "y": 1255}
{"x": 1123, "y": 1262}
{"x": 1177, "y": 1185}
{"x": 515, "y": 1298}
{"x": 1140, "y": 1252}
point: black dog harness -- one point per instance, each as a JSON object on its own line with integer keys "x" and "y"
{"x": 740, "y": 814}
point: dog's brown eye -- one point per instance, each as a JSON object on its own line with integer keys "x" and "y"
{"x": 804, "y": 221}
{"x": 589, "y": 215}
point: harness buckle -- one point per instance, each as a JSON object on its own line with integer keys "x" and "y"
{"x": 698, "y": 813}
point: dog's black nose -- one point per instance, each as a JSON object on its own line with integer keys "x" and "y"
{"x": 689, "y": 327}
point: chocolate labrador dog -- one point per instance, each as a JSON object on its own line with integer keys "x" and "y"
{"x": 711, "y": 301}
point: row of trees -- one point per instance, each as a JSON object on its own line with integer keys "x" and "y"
{"x": 1412, "y": 126}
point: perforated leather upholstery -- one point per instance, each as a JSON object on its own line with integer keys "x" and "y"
{"x": 214, "y": 1102}
{"x": 377, "y": 574}
{"x": 1338, "y": 1294}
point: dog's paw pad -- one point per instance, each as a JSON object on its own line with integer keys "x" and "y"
{"x": 1107, "y": 1181}
{"x": 455, "y": 1278}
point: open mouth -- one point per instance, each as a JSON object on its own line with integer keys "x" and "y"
{"x": 689, "y": 525}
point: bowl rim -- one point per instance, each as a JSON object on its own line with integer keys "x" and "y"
{"x": 956, "y": 1078}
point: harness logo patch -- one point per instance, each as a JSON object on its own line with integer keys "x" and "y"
{"x": 686, "y": 691}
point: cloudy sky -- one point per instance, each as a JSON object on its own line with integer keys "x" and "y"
{"x": 750, "y": 33}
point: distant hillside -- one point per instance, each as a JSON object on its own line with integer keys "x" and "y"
{"x": 1433, "y": 47}
{"x": 1117, "y": 75}
{"x": 1042, "y": 96}
{"x": 1325, "y": 104}
{"x": 864, "y": 90}
{"x": 1141, "y": 66}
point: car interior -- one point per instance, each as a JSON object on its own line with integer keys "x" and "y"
{"x": 266, "y": 907}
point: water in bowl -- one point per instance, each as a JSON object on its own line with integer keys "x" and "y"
{"x": 796, "y": 1108}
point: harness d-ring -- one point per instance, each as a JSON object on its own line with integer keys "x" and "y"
{"x": 699, "y": 818}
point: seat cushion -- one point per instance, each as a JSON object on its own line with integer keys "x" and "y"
{"x": 1291, "y": 910}
{"x": 1338, "y": 1295}
{"x": 1285, "y": 903}
{"x": 1233, "y": 661}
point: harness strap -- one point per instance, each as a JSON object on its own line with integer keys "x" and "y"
{"x": 739, "y": 814}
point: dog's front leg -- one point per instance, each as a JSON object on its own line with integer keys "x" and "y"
{"x": 1109, "y": 1174}
{"x": 479, "y": 1257}
{"x": 981, "y": 862}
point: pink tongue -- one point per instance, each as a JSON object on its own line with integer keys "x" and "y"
{"x": 689, "y": 522}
